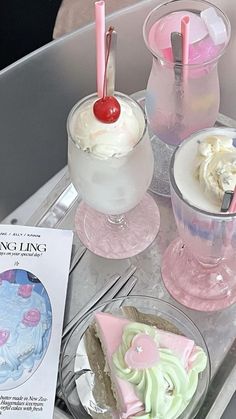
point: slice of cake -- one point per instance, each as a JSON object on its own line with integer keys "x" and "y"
{"x": 154, "y": 373}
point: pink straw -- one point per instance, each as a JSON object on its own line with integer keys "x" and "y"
{"x": 185, "y": 50}
{"x": 100, "y": 44}
{"x": 232, "y": 207}
{"x": 185, "y": 34}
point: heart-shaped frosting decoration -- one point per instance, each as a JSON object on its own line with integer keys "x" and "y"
{"x": 31, "y": 318}
{"x": 143, "y": 353}
{"x": 4, "y": 335}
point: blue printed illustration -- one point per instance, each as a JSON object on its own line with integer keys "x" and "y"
{"x": 25, "y": 326}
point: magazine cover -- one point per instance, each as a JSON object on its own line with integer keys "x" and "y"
{"x": 34, "y": 270}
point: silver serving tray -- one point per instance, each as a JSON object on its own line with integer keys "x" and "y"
{"x": 218, "y": 329}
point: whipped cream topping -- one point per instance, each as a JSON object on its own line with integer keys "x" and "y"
{"x": 108, "y": 140}
{"x": 216, "y": 166}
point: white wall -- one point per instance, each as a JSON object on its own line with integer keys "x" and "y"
{"x": 227, "y": 65}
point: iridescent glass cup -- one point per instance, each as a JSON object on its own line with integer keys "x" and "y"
{"x": 199, "y": 267}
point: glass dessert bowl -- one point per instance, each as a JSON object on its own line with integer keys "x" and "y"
{"x": 152, "y": 353}
{"x": 111, "y": 166}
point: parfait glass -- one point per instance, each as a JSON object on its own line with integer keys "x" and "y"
{"x": 181, "y": 97}
{"x": 199, "y": 267}
{"x": 116, "y": 218}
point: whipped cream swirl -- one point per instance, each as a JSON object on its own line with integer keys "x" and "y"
{"x": 167, "y": 387}
{"x": 216, "y": 166}
{"x": 108, "y": 140}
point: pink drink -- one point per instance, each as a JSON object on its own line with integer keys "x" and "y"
{"x": 179, "y": 105}
{"x": 199, "y": 268}
{"x": 200, "y": 112}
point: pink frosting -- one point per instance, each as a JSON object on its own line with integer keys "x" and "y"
{"x": 180, "y": 345}
{"x": 32, "y": 317}
{"x": 143, "y": 352}
{"x": 111, "y": 331}
{"x": 25, "y": 290}
{"x": 4, "y": 335}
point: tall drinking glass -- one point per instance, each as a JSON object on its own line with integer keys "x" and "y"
{"x": 116, "y": 219}
{"x": 181, "y": 97}
{"x": 199, "y": 267}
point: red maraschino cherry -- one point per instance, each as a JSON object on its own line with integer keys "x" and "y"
{"x": 107, "y": 108}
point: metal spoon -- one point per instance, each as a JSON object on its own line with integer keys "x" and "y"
{"x": 111, "y": 38}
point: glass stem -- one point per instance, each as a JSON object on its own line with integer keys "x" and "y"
{"x": 117, "y": 220}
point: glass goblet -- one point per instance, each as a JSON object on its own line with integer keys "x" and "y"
{"x": 116, "y": 218}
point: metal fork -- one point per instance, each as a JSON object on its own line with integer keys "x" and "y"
{"x": 111, "y": 288}
{"x": 76, "y": 256}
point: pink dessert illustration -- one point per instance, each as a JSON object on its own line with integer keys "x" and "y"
{"x": 25, "y": 326}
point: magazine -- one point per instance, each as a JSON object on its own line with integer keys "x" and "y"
{"x": 34, "y": 270}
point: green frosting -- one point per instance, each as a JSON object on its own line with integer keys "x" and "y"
{"x": 166, "y": 388}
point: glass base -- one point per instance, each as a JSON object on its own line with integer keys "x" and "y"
{"x": 195, "y": 286}
{"x": 118, "y": 241}
{"x": 160, "y": 184}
